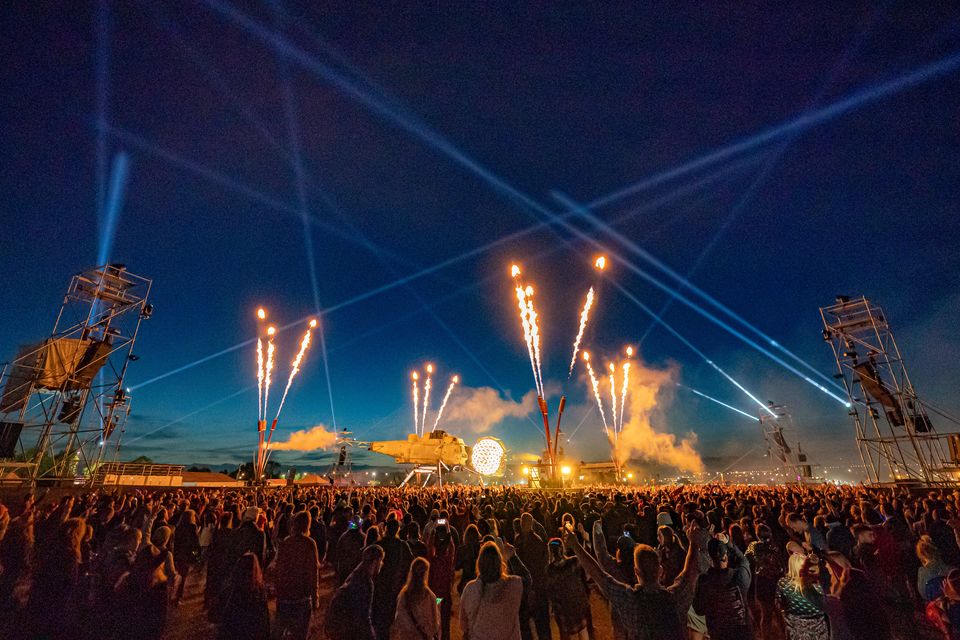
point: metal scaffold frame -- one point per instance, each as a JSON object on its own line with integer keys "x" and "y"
{"x": 66, "y": 395}
{"x": 776, "y": 429}
{"x": 896, "y": 439}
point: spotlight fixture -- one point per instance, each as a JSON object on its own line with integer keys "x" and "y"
{"x": 133, "y": 357}
{"x": 826, "y": 335}
{"x": 147, "y": 311}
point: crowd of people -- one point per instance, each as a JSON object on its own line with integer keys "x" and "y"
{"x": 382, "y": 563}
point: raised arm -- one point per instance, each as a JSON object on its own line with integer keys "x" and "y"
{"x": 606, "y": 561}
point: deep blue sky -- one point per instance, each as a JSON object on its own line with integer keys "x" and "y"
{"x": 581, "y": 100}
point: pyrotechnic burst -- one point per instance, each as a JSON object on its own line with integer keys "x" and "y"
{"x": 623, "y": 389}
{"x": 426, "y": 399}
{"x": 268, "y": 370}
{"x": 446, "y": 396}
{"x": 600, "y": 263}
{"x": 535, "y": 337}
{"x": 584, "y": 316}
{"x": 613, "y": 396}
{"x": 596, "y": 391}
{"x": 295, "y": 367}
{"x": 522, "y": 293}
{"x": 261, "y": 412}
{"x": 416, "y": 401}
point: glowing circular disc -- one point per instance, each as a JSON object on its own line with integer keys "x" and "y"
{"x": 488, "y": 456}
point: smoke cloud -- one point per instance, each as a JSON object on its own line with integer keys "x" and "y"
{"x": 478, "y": 409}
{"x": 649, "y": 390}
{"x": 307, "y": 440}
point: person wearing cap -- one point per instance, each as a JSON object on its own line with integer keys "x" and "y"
{"x": 721, "y": 595}
{"x": 944, "y": 612}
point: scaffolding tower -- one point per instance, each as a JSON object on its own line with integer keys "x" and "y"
{"x": 896, "y": 439}
{"x": 64, "y": 398}
{"x": 776, "y": 428}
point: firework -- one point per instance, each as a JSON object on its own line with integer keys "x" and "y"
{"x": 596, "y": 390}
{"x": 453, "y": 382}
{"x": 268, "y": 369}
{"x": 613, "y": 396}
{"x": 584, "y": 316}
{"x": 623, "y": 393}
{"x": 525, "y": 321}
{"x": 426, "y": 399}
{"x": 295, "y": 367}
{"x": 600, "y": 263}
{"x": 416, "y": 401}
{"x": 261, "y": 413}
{"x": 534, "y": 337}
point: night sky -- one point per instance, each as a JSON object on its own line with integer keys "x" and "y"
{"x": 424, "y": 131}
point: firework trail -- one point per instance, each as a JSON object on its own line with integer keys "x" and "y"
{"x": 426, "y": 399}
{"x": 613, "y": 396}
{"x": 623, "y": 392}
{"x": 261, "y": 413}
{"x": 268, "y": 370}
{"x": 416, "y": 402}
{"x": 525, "y": 321}
{"x": 535, "y": 338}
{"x": 453, "y": 383}
{"x": 596, "y": 391}
{"x": 295, "y": 369}
{"x": 584, "y": 316}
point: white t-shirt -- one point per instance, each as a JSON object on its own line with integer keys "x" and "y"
{"x": 496, "y": 614}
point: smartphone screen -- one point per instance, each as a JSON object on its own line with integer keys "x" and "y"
{"x": 442, "y": 521}
{"x": 439, "y": 600}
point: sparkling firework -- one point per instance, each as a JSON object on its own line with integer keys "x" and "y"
{"x": 623, "y": 393}
{"x": 446, "y": 396}
{"x": 426, "y": 399}
{"x": 535, "y": 338}
{"x": 596, "y": 390}
{"x": 600, "y": 263}
{"x": 525, "y": 321}
{"x": 260, "y": 363}
{"x": 268, "y": 370}
{"x": 584, "y": 316}
{"x": 295, "y": 368}
{"x": 613, "y": 396}
{"x": 416, "y": 402}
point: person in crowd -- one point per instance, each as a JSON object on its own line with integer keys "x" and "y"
{"x": 532, "y": 551}
{"x": 186, "y": 549}
{"x": 646, "y": 611}
{"x": 55, "y": 583}
{"x": 349, "y": 616}
{"x": 933, "y": 570}
{"x": 490, "y": 604}
{"x": 245, "y": 616}
{"x": 418, "y": 612}
{"x": 766, "y": 563}
{"x": 218, "y": 564}
{"x": 801, "y": 599}
{"x": 349, "y": 549}
{"x": 390, "y": 579}
{"x": 297, "y": 579}
{"x": 670, "y": 551}
{"x": 467, "y": 554}
{"x": 569, "y": 596}
{"x": 249, "y": 537}
{"x": 721, "y": 592}
{"x": 442, "y": 555}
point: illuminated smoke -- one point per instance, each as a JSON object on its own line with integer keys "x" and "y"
{"x": 307, "y": 440}
{"x": 649, "y": 391}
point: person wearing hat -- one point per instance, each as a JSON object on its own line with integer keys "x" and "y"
{"x": 944, "y": 612}
{"x": 721, "y": 592}
{"x": 249, "y": 538}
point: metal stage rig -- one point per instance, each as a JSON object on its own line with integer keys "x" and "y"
{"x": 897, "y": 440}
{"x": 776, "y": 429}
{"x": 64, "y": 398}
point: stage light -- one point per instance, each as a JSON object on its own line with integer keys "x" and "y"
{"x": 566, "y": 470}
{"x": 147, "y": 311}
{"x": 525, "y": 471}
{"x": 133, "y": 358}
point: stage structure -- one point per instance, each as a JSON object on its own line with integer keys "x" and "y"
{"x": 776, "y": 429}
{"x": 64, "y": 398}
{"x": 897, "y": 441}
{"x": 342, "y": 467}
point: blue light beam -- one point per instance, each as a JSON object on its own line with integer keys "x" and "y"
{"x": 118, "y": 183}
{"x": 719, "y": 402}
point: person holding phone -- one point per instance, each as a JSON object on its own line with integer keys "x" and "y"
{"x": 418, "y": 608}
